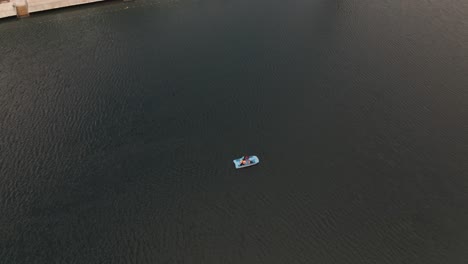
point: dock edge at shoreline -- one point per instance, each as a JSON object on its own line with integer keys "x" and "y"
{"x": 22, "y": 8}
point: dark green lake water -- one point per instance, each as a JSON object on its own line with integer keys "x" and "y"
{"x": 119, "y": 123}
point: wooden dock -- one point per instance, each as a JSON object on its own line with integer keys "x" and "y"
{"x": 22, "y": 8}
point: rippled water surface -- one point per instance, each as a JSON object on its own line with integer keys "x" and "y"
{"x": 119, "y": 123}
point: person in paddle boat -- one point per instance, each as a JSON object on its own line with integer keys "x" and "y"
{"x": 245, "y": 160}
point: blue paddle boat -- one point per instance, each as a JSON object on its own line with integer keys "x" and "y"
{"x": 246, "y": 161}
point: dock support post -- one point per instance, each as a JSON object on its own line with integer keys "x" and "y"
{"x": 21, "y": 8}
